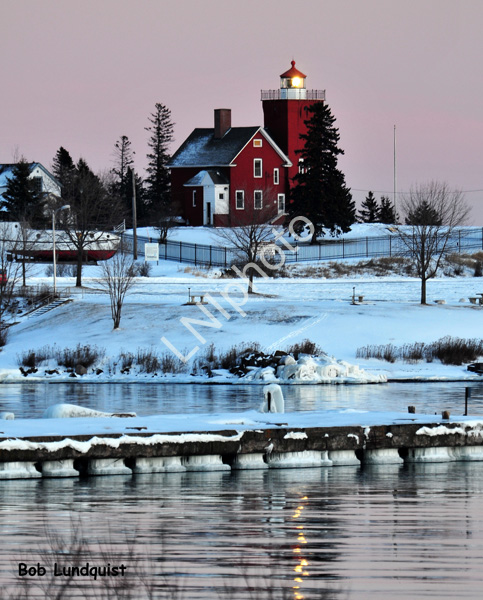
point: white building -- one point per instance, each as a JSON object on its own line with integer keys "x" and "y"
{"x": 45, "y": 181}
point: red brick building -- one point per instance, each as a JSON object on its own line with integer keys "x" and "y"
{"x": 229, "y": 175}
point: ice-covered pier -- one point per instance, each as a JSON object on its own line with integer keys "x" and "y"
{"x": 276, "y": 445}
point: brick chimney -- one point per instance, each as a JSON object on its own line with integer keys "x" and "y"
{"x": 222, "y": 121}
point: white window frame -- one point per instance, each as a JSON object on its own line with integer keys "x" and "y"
{"x": 258, "y": 143}
{"x": 276, "y": 176}
{"x": 257, "y": 167}
{"x": 194, "y": 198}
{"x": 242, "y": 207}
{"x": 280, "y": 198}
{"x": 301, "y": 165}
{"x": 255, "y": 192}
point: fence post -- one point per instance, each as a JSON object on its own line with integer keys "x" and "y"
{"x": 210, "y": 256}
{"x": 390, "y": 246}
{"x": 195, "y": 255}
{"x": 166, "y": 250}
{"x": 367, "y": 247}
{"x": 180, "y": 250}
{"x": 225, "y": 257}
{"x": 343, "y": 248}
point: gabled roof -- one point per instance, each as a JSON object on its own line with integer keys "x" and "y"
{"x": 200, "y": 178}
{"x": 202, "y": 149}
{"x": 7, "y": 168}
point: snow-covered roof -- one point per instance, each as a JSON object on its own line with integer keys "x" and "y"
{"x": 6, "y": 170}
{"x": 202, "y": 149}
{"x": 199, "y": 179}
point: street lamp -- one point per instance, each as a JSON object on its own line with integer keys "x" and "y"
{"x": 54, "y": 212}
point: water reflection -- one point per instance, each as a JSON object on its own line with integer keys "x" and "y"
{"x": 30, "y": 400}
{"x": 412, "y": 531}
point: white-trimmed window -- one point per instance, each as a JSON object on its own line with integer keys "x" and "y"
{"x": 257, "y": 143}
{"x": 276, "y": 177}
{"x": 240, "y": 199}
{"x": 301, "y": 166}
{"x": 194, "y": 197}
{"x": 257, "y": 167}
{"x": 281, "y": 203}
{"x": 258, "y": 199}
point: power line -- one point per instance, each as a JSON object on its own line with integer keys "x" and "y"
{"x": 406, "y": 192}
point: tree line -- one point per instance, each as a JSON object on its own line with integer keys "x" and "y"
{"x": 113, "y": 190}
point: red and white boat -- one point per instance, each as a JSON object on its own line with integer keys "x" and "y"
{"x": 38, "y": 245}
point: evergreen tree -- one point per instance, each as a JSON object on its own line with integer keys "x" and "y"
{"x": 122, "y": 172}
{"x": 63, "y": 167}
{"x": 387, "y": 214}
{"x": 320, "y": 193}
{"x": 22, "y": 200}
{"x": 158, "y": 180}
{"x": 424, "y": 213}
{"x": 369, "y": 212}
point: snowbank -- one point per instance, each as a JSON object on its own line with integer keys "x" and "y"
{"x": 318, "y": 369}
{"x": 69, "y": 411}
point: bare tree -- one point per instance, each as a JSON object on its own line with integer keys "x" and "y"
{"x": 10, "y": 274}
{"x": 93, "y": 211}
{"x": 433, "y": 211}
{"x": 249, "y": 240}
{"x": 117, "y": 279}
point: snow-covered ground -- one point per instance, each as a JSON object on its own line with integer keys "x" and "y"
{"x": 283, "y": 312}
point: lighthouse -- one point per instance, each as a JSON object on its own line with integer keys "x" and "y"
{"x": 285, "y": 111}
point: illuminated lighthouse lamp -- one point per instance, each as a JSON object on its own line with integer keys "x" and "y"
{"x": 292, "y": 84}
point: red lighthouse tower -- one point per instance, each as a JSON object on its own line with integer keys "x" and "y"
{"x": 285, "y": 111}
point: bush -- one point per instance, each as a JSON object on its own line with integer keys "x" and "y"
{"x": 386, "y": 352}
{"x": 80, "y": 355}
{"x": 3, "y": 336}
{"x": 126, "y": 359}
{"x": 140, "y": 269}
{"x": 147, "y": 360}
{"x": 171, "y": 364}
{"x": 450, "y": 351}
{"x": 304, "y": 347}
{"x": 456, "y": 351}
{"x": 33, "y": 358}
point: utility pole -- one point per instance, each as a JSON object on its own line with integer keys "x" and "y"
{"x": 134, "y": 218}
{"x": 395, "y": 184}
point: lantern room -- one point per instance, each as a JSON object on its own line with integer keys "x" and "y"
{"x": 292, "y": 84}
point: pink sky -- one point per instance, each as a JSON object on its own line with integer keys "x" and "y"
{"x": 81, "y": 74}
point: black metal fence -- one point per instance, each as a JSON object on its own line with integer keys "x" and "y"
{"x": 463, "y": 240}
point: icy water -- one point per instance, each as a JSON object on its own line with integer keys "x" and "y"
{"x": 29, "y": 400}
{"x": 408, "y": 532}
